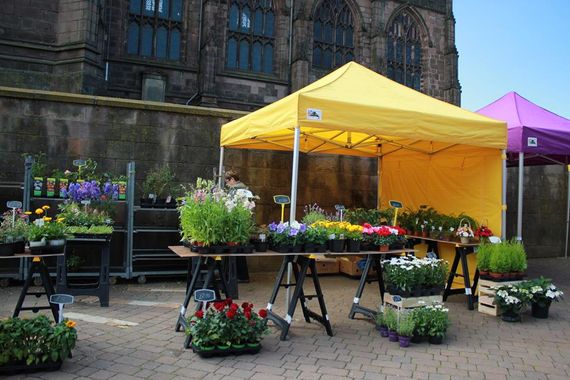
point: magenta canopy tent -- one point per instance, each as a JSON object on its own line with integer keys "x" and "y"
{"x": 540, "y": 135}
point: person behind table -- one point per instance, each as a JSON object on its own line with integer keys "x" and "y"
{"x": 233, "y": 182}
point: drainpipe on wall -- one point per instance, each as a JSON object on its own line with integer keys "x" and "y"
{"x": 109, "y": 15}
{"x": 291, "y": 45}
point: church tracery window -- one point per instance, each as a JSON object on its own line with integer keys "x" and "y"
{"x": 155, "y": 28}
{"x": 333, "y": 34}
{"x": 251, "y": 36}
{"x": 404, "y": 51}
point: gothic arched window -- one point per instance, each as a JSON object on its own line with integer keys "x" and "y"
{"x": 333, "y": 34}
{"x": 251, "y": 30}
{"x": 404, "y": 51}
{"x": 155, "y": 28}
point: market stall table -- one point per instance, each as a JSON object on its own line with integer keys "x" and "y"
{"x": 38, "y": 266}
{"x": 304, "y": 261}
{"x": 461, "y": 252}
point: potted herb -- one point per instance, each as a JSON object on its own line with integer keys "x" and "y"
{"x": 391, "y": 320}
{"x": 34, "y": 344}
{"x": 542, "y": 293}
{"x": 157, "y": 187}
{"x": 484, "y": 253}
{"x": 406, "y": 330}
{"x": 381, "y": 324}
{"x": 313, "y": 213}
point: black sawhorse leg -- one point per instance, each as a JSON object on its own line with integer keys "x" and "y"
{"x": 37, "y": 266}
{"x": 461, "y": 256}
{"x": 285, "y": 323}
{"x": 356, "y": 308}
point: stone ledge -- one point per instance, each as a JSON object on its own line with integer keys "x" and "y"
{"x": 64, "y": 97}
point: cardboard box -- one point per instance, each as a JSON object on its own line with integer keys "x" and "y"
{"x": 348, "y": 266}
{"x": 325, "y": 266}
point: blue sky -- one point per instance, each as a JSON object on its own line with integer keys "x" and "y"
{"x": 520, "y": 45}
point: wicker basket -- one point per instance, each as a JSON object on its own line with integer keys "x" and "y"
{"x": 465, "y": 240}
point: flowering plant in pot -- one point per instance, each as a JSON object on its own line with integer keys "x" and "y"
{"x": 542, "y": 293}
{"x": 353, "y": 235}
{"x": 313, "y": 213}
{"x": 437, "y": 317}
{"x": 316, "y": 238}
{"x": 158, "y": 187}
{"x": 287, "y": 237}
{"x": 34, "y": 344}
{"x": 13, "y": 231}
{"x": 336, "y": 234}
{"x": 511, "y": 299}
{"x": 464, "y": 233}
{"x": 483, "y": 232}
{"x": 406, "y": 330}
{"x": 420, "y": 315}
{"x": 226, "y": 328}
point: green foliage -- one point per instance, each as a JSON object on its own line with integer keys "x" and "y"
{"x": 518, "y": 257}
{"x": 14, "y": 228}
{"x": 512, "y": 298}
{"x": 438, "y": 320}
{"x": 57, "y": 173}
{"x": 159, "y": 181}
{"x": 362, "y": 215}
{"x": 313, "y": 213}
{"x": 35, "y": 233}
{"x": 74, "y": 214}
{"x": 91, "y": 230}
{"x": 73, "y": 262}
{"x": 39, "y": 166}
{"x": 420, "y": 315}
{"x": 35, "y": 340}
{"x": 391, "y": 318}
{"x": 484, "y": 254}
{"x": 238, "y": 224}
{"x": 406, "y": 326}
{"x": 380, "y": 319}
{"x": 508, "y": 256}
{"x": 55, "y": 231}
{"x": 316, "y": 235}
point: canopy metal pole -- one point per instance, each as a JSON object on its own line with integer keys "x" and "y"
{"x": 520, "y": 199}
{"x": 221, "y": 167}
{"x": 504, "y": 196}
{"x": 293, "y": 205}
{"x": 567, "y": 214}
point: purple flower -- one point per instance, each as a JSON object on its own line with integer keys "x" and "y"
{"x": 272, "y": 227}
{"x": 293, "y": 232}
{"x": 303, "y": 228}
{"x": 280, "y": 228}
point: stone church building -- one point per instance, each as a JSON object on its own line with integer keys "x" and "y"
{"x": 233, "y": 54}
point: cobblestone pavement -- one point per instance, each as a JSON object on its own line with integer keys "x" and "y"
{"x": 477, "y": 346}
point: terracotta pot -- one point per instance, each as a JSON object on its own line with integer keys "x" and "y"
{"x": 384, "y": 248}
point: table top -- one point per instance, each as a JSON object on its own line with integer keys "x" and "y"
{"x": 456, "y": 243}
{"x": 183, "y": 251}
{"x": 29, "y": 254}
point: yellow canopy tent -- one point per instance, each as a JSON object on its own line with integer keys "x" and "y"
{"x": 429, "y": 152}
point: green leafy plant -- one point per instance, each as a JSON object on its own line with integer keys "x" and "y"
{"x": 313, "y": 213}
{"x": 438, "y": 320}
{"x": 484, "y": 253}
{"x": 316, "y": 235}
{"x": 159, "y": 181}
{"x": 421, "y": 319}
{"x": 91, "y": 230}
{"x": 74, "y": 214}
{"x": 39, "y": 166}
{"x": 406, "y": 326}
{"x": 35, "y": 340}
{"x": 73, "y": 262}
{"x": 380, "y": 321}
{"x": 55, "y": 231}
{"x": 14, "y": 227}
{"x": 512, "y": 298}
{"x": 542, "y": 291}
{"x": 391, "y": 318}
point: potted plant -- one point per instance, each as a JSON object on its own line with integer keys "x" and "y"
{"x": 511, "y": 299}
{"x": 437, "y": 322}
{"x": 483, "y": 233}
{"x": 316, "y": 238}
{"x": 55, "y": 233}
{"x": 421, "y": 323}
{"x": 406, "y": 330}
{"x": 286, "y": 237}
{"x": 313, "y": 213}
{"x": 73, "y": 263}
{"x": 13, "y": 230}
{"x": 226, "y": 328}
{"x": 484, "y": 253}
{"x": 259, "y": 241}
{"x": 381, "y": 324}
{"x": 464, "y": 232}
{"x": 542, "y": 293}
{"x": 36, "y": 344}
{"x": 353, "y": 234}
{"x": 507, "y": 261}
{"x": 391, "y": 320}
{"x": 157, "y": 187}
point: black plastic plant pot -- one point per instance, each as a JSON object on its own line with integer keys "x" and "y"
{"x": 225, "y": 352}
{"x": 319, "y": 248}
{"x": 6, "y": 249}
{"x": 19, "y": 246}
{"x": 309, "y": 247}
{"x": 14, "y": 368}
{"x": 283, "y": 248}
{"x": 297, "y": 248}
{"x": 353, "y": 245}
{"x": 247, "y": 248}
{"x": 260, "y": 246}
{"x": 336, "y": 245}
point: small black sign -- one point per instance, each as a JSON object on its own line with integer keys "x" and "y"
{"x": 396, "y": 204}
{"x": 204, "y": 295}
{"x": 64, "y": 299}
{"x": 14, "y": 204}
{"x": 281, "y": 199}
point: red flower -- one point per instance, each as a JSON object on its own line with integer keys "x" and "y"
{"x": 229, "y": 301}
{"x": 219, "y": 306}
{"x": 245, "y": 305}
{"x": 234, "y": 306}
{"x": 199, "y": 314}
{"x": 263, "y": 313}
{"x": 230, "y": 314}
{"x": 367, "y": 225}
{"x": 247, "y": 315}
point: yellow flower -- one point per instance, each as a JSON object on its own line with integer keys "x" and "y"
{"x": 46, "y": 207}
{"x": 59, "y": 220}
{"x": 71, "y": 324}
{"x": 28, "y": 213}
{"x": 47, "y": 219}
{"x": 39, "y": 211}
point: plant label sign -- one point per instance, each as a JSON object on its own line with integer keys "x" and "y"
{"x": 79, "y": 163}
{"x": 204, "y": 295}
{"x": 64, "y": 299}
{"x": 396, "y": 298}
{"x": 14, "y": 204}
{"x": 281, "y": 199}
{"x": 532, "y": 142}
{"x": 396, "y": 204}
{"x": 339, "y": 207}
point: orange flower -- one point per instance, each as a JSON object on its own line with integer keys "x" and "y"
{"x": 70, "y": 324}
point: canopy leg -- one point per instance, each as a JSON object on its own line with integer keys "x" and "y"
{"x": 567, "y": 214}
{"x": 504, "y": 196}
{"x": 221, "y": 167}
{"x": 293, "y": 205}
{"x": 520, "y": 198}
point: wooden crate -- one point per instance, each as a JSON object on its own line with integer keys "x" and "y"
{"x": 349, "y": 267}
{"x": 486, "y": 301}
{"x": 325, "y": 266}
{"x": 410, "y": 302}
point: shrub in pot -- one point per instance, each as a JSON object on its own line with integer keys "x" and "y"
{"x": 391, "y": 320}
{"x": 406, "y": 330}
{"x": 381, "y": 325}
{"x": 158, "y": 185}
{"x": 484, "y": 253}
